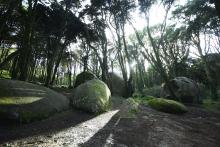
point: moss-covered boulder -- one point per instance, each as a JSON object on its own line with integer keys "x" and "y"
{"x": 92, "y": 96}
{"x": 25, "y": 102}
{"x": 83, "y": 77}
{"x": 168, "y": 106}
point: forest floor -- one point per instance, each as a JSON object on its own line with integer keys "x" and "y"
{"x": 149, "y": 128}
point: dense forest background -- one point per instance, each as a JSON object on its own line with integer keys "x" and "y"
{"x": 49, "y": 42}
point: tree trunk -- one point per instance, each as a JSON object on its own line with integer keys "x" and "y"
{"x": 26, "y": 47}
{"x": 130, "y": 88}
{"x": 56, "y": 66}
{"x": 14, "y": 71}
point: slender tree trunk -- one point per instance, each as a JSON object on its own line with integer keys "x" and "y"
{"x": 14, "y": 70}
{"x": 130, "y": 88}
{"x": 69, "y": 75}
{"x": 49, "y": 72}
{"x": 57, "y": 65}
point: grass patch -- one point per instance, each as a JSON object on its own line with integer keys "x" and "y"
{"x": 210, "y": 104}
{"x": 168, "y": 106}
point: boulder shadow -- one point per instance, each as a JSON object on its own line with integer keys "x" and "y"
{"x": 13, "y": 131}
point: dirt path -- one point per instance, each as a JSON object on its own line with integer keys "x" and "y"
{"x": 149, "y": 128}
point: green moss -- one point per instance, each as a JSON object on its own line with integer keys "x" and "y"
{"x": 18, "y": 100}
{"x": 209, "y": 104}
{"x": 83, "y": 77}
{"x": 169, "y": 106}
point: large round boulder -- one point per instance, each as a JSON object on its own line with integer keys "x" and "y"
{"x": 116, "y": 85}
{"x": 186, "y": 90}
{"x": 92, "y": 96}
{"x": 25, "y": 102}
{"x": 83, "y": 77}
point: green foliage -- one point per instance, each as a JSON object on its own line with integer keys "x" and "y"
{"x": 168, "y": 106}
{"x": 197, "y": 14}
{"x": 5, "y": 74}
{"x": 83, "y": 77}
{"x": 211, "y": 104}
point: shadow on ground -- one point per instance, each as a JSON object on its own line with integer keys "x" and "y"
{"x": 118, "y": 131}
{"x": 152, "y": 128}
{"x": 56, "y": 123}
